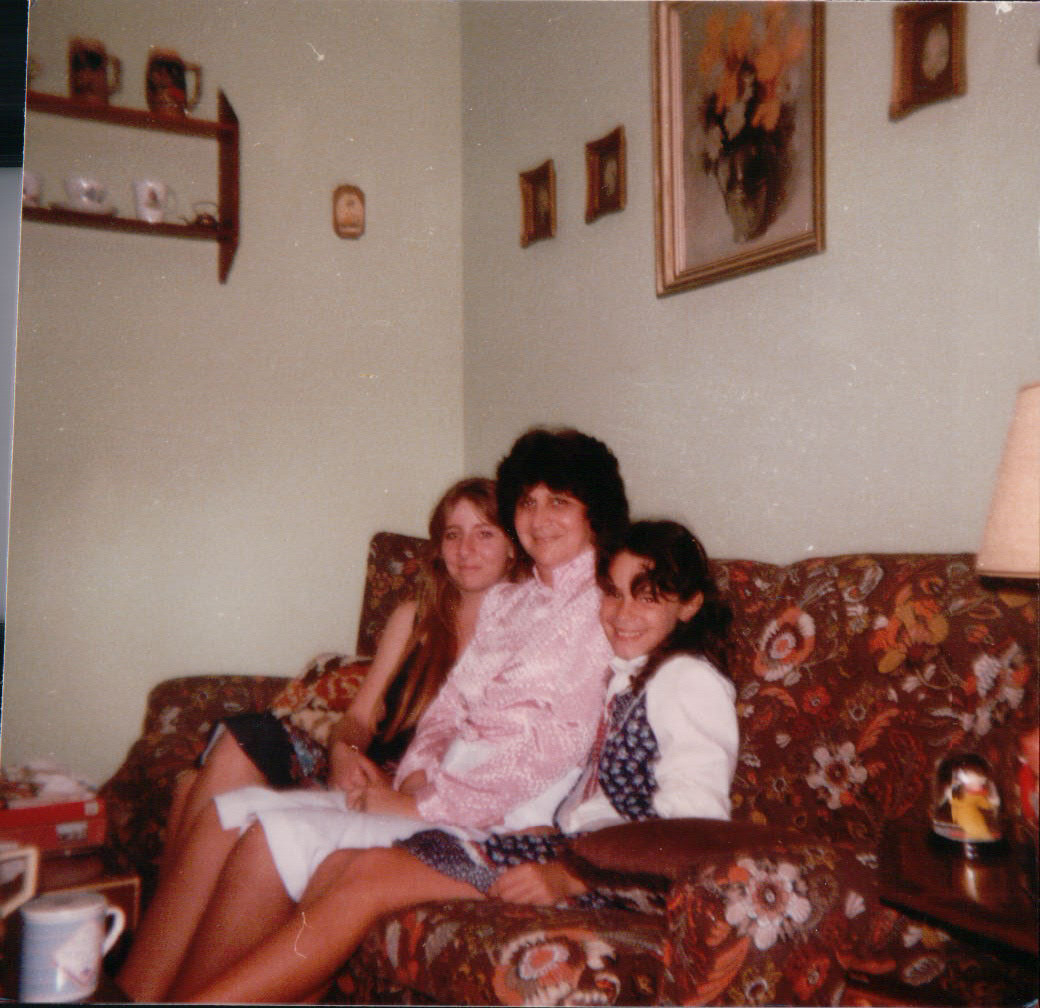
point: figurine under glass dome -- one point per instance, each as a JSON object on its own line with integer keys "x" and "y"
{"x": 966, "y": 802}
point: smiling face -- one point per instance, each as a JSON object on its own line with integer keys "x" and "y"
{"x": 476, "y": 552}
{"x": 635, "y": 619}
{"x": 553, "y": 527}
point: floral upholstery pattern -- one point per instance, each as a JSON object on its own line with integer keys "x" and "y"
{"x": 512, "y": 955}
{"x": 317, "y": 699}
{"x": 393, "y": 566}
{"x": 855, "y": 676}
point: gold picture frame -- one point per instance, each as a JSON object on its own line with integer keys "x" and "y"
{"x": 928, "y": 58}
{"x": 538, "y": 196}
{"x": 605, "y": 175}
{"x": 738, "y": 137}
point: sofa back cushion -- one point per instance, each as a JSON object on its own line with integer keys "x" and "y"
{"x": 857, "y": 674}
{"x": 391, "y": 577}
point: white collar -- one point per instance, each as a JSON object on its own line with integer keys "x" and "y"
{"x": 574, "y": 573}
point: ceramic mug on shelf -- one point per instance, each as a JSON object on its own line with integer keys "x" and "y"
{"x": 166, "y": 83}
{"x": 86, "y": 194}
{"x": 32, "y": 189}
{"x": 10, "y": 854}
{"x": 93, "y": 73}
{"x": 154, "y": 200}
{"x": 64, "y": 937}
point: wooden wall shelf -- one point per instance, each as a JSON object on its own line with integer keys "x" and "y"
{"x": 224, "y": 131}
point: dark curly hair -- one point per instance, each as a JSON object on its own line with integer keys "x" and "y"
{"x": 566, "y": 461}
{"x": 679, "y": 568}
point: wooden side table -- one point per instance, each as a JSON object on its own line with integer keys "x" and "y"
{"x": 991, "y": 898}
{"x": 989, "y": 902}
{"x": 93, "y": 870}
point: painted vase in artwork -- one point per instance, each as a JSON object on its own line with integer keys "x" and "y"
{"x": 749, "y": 69}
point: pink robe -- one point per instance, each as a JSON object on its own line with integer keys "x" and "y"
{"x": 521, "y": 705}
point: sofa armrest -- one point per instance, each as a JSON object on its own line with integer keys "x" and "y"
{"x": 769, "y": 922}
{"x": 179, "y": 717}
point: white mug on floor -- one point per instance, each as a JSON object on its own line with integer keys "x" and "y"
{"x": 64, "y": 937}
{"x": 10, "y": 853}
{"x": 153, "y": 200}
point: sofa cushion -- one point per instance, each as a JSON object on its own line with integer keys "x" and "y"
{"x": 315, "y": 700}
{"x": 490, "y": 952}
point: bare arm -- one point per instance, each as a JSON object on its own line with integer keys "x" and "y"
{"x": 358, "y": 725}
{"x": 543, "y": 884}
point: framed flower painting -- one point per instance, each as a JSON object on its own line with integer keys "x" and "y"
{"x": 738, "y": 137}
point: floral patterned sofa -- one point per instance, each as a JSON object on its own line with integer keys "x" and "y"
{"x": 855, "y": 676}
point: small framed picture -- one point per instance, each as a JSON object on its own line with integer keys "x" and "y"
{"x": 605, "y": 175}
{"x": 928, "y": 55}
{"x": 348, "y": 211}
{"x": 538, "y": 194}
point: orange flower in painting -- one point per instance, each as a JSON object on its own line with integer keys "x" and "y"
{"x": 727, "y": 91}
{"x": 740, "y": 36}
{"x": 767, "y": 115}
{"x": 797, "y": 41}
{"x": 768, "y": 63}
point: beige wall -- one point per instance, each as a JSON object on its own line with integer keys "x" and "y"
{"x": 853, "y": 400}
{"x": 198, "y": 467}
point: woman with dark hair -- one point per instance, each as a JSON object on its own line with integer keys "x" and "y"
{"x": 498, "y": 747}
{"x": 666, "y": 747}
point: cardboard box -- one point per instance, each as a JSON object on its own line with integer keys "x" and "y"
{"x": 62, "y": 826}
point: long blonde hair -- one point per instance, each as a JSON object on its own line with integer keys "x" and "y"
{"x": 434, "y": 643}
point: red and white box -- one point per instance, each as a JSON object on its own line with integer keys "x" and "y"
{"x": 55, "y": 826}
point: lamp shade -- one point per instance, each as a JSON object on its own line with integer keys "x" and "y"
{"x": 1011, "y": 541}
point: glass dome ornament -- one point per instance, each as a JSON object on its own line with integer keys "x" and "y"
{"x": 966, "y": 802}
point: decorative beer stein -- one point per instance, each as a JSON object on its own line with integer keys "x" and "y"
{"x": 166, "y": 83}
{"x": 93, "y": 74}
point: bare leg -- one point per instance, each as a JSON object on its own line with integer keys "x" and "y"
{"x": 227, "y": 768}
{"x": 248, "y": 903}
{"x": 175, "y": 818}
{"x": 345, "y": 897}
{"x": 172, "y": 916}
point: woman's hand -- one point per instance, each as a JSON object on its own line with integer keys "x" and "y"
{"x": 350, "y": 771}
{"x": 541, "y": 884}
{"x": 382, "y": 799}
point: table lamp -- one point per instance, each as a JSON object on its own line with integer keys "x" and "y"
{"x": 1011, "y": 541}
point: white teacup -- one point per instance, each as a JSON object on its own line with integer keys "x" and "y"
{"x": 64, "y": 937}
{"x": 11, "y": 852}
{"x": 32, "y": 189}
{"x": 87, "y": 194}
{"x": 154, "y": 200}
